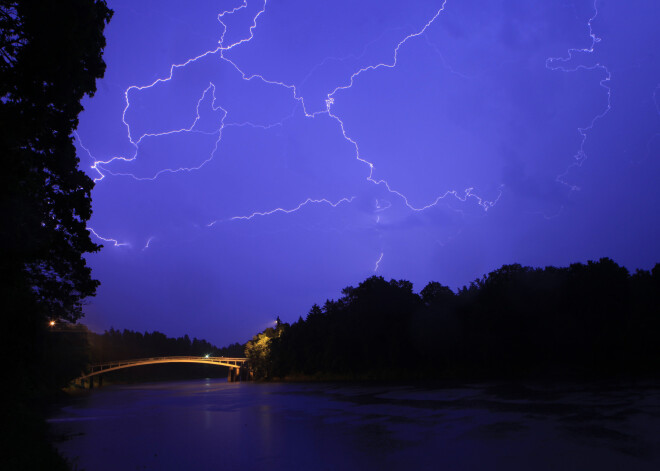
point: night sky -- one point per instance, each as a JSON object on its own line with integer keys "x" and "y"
{"x": 253, "y": 162}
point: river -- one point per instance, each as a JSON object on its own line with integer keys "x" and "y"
{"x": 215, "y": 425}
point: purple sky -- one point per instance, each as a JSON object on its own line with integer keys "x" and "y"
{"x": 299, "y": 147}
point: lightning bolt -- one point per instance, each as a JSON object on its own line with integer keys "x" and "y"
{"x": 563, "y": 64}
{"x": 289, "y": 211}
{"x": 378, "y": 262}
{"x": 114, "y": 242}
{"x": 330, "y": 100}
{"x": 99, "y": 164}
{"x": 101, "y": 167}
{"x": 146, "y": 246}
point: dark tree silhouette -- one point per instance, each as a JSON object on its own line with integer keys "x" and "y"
{"x": 127, "y": 344}
{"x": 434, "y": 293}
{"x": 50, "y": 58}
{"x": 585, "y": 320}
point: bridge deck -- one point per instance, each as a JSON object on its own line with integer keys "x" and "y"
{"x": 120, "y": 364}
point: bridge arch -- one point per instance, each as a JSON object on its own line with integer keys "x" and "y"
{"x": 234, "y": 364}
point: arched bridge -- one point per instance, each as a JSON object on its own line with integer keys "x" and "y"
{"x": 236, "y": 366}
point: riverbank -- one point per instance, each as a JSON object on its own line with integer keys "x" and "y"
{"x": 405, "y": 377}
{"x": 28, "y": 438}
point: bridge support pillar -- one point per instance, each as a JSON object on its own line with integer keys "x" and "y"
{"x": 233, "y": 376}
{"x": 100, "y": 381}
{"x": 91, "y": 382}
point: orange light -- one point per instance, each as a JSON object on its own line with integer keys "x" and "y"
{"x": 51, "y": 323}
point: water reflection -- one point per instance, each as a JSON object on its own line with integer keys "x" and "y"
{"x": 212, "y": 424}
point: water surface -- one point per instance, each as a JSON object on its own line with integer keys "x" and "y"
{"x": 215, "y": 425}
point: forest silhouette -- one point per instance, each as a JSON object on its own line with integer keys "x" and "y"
{"x": 592, "y": 320}
{"x": 115, "y": 345}
{"x": 127, "y": 344}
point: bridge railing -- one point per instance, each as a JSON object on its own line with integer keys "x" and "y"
{"x": 235, "y": 366}
{"x": 134, "y": 360}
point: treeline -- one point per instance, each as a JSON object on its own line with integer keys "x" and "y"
{"x": 593, "y": 319}
{"x": 127, "y": 344}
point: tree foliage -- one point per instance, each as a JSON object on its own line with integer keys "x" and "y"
{"x": 586, "y": 319}
{"x": 127, "y": 344}
{"x": 258, "y": 350}
{"x": 50, "y": 58}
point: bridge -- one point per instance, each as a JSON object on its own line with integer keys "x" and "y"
{"x": 237, "y": 367}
